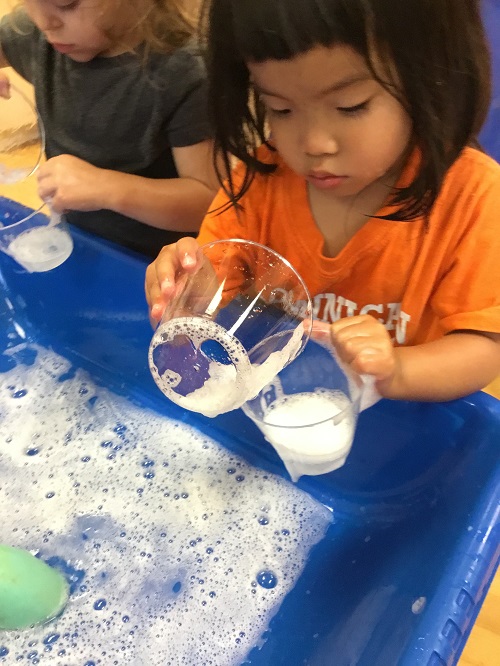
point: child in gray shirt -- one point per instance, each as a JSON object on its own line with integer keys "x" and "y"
{"x": 122, "y": 98}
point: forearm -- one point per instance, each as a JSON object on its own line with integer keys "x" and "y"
{"x": 177, "y": 204}
{"x": 448, "y": 368}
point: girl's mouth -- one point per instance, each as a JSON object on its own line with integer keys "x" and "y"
{"x": 324, "y": 180}
{"x": 63, "y": 48}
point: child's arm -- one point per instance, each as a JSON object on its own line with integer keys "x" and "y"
{"x": 451, "y": 367}
{"x": 178, "y": 204}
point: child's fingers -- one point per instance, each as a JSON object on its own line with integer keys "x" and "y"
{"x": 369, "y": 355}
{"x": 378, "y": 362}
{"x": 160, "y": 281}
{"x": 364, "y": 343}
{"x": 361, "y": 342}
{"x": 181, "y": 257}
{"x": 340, "y": 333}
{"x": 154, "y": 297}
{"x": 320, "y": 329}
{"x": 349, "y": 336}
{"x": 348, "y": 327}
{"x": 189, "y": 255}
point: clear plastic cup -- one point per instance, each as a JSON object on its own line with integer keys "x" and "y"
{"x": 22, "y": 137}
{"x": 233, "y": 325}
{"x": 39, "y": 240}
{"x": 309, "y": 412}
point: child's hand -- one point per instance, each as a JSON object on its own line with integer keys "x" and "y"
{"x": 4, "y": 85}
{"x": 163, "y": 274}
{"x": 364, "y": 344}
{"x": 70, "y": 183}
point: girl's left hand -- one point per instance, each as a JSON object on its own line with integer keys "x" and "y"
{"x": 364, "y": 344}
{"x": 70, "y": 183}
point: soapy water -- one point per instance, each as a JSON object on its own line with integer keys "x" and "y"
{"x": 10, "y": 176}
{"x": 312, "y": 431}
{"x": 177, "y": 551}
{"x": 41, "y": 248}
{"x": 217, "y": 383}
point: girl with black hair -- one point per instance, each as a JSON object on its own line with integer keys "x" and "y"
{"x": 355, "y": 125}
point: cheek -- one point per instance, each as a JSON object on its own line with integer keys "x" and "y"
{"x": 276, "y": 128}
{"x": 390, "y": 139}
{"x": 282, "y": 136}
{"x": 397, "y": 124}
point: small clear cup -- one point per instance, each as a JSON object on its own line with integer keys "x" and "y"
{"x": 22, "y": 137}
{"x": 38, "y": 240}
{"x": 309, "y": 412}
{"x": 233, "y": 325}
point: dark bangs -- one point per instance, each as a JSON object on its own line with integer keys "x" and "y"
{"x": 282, "y": 29}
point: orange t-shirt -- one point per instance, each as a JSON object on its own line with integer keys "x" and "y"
{"x": 420, "y": 282}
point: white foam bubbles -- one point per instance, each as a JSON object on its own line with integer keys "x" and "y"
{"x": 312, "y": 432}
{"x": 228, "y": 384}
{"x": 41, "y": 249}
{"x": 169, "y": 540}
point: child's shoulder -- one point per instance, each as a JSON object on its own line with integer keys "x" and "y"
{"x": 473, "y": 169}
{"x": 470, "y": 191}
{"x": 19, "y": 24}
{"x": 182, "y": 60}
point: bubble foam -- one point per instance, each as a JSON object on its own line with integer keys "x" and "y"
{"x": 177, "y": 551}
{"x": 220, "y": 386}
{"x": 312, "y": 432}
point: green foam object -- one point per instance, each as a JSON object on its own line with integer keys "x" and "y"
{"x": 31, "y": 592}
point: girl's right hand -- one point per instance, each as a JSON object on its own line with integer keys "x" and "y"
{"x": 162, "y": 275}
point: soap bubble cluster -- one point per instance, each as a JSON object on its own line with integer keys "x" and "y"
{"x": 176, "y": 550}
{"x": 211, "y": 386}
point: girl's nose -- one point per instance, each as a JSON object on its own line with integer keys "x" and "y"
{"x": 319, "y": 140}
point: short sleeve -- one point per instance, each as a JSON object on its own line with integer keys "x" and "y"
{"x": 468, "y": 297}
{"x": 186, "y": 89}
{"x": 18, "y": 38}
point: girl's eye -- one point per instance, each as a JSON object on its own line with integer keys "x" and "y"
{"x": 353, "y": 110}
{"x": 279, "y": 112}
{"x": 69, "y": 6}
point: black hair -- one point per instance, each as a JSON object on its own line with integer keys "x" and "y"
{"x": 434, "y": 56}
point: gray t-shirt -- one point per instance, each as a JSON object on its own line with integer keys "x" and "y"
{"x": 117, "y": 113}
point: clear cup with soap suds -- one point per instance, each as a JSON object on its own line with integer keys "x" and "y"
{"x": 22, "y": 137}
{"x": 309, "y": 412}
{"x": 38, "y": 240}
{"x": 234, "y": 324}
